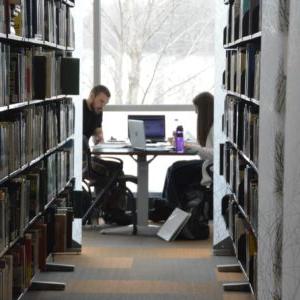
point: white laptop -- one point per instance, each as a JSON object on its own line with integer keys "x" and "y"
{"x": 137, "y": 138}
{"x": 173, "y": 226}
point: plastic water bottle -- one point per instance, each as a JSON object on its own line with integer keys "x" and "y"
{"x": 179, "y": 141}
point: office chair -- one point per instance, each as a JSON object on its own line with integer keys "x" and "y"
{"x": 100, "y": 176}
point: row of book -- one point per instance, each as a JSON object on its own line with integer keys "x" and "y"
{"x": 244, "y": 18}
{"x": 66, "y": 119}
{"x": 44, "y": 20}
{"x": 24, "y": 197}
{"x": 31, "y": 73}
{"x": 242, "y": 73}
{"x": 59, "y": 122}
{"x": 29, "y": 255}
{"x": 27, "y": 134}
{"x": 243, "y": 181}
{"x": 60, "y": 169}
{"x": 244, "y": 240}
{"x": 241, "y": 126}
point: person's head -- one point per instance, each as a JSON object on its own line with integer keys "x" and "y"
{"x": 98, "y": 98}
{"x": 204, "y": 107}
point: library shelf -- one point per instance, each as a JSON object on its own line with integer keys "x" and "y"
{"x": 238, "y": 267}
{"x": 33, "y": 102}
{"x": 245, "y": 157}
{"x": 3, "y": 108}
{"x": 61, "y": 144}
{"x": 243, "y": 40}
{"x": 50, "y": 45}
{"x": 34, "y": 41}
{"x": 69, "y": 3}
{"x": 36, "y": 160}
{"x": 61, "y": 47}
{"x": 18, "y": 105}
{"x": 242, "y": 96}
{"x": 242, "y": 211}
{"x": 27, "y": 129}
{"x": 35, "y": 218}
{"x": 42, "y": 285}
{"x": 15, "y": 38}
{"x": 55, "y": 98}
{"x": 25, "y": 104}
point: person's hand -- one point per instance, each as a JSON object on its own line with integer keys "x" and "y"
{"x": 98, "y": 136}
{"x": 188, "y": 144}
{"x": 171, "y": 140}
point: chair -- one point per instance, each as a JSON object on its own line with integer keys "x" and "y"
{"x": 100, "y": 176}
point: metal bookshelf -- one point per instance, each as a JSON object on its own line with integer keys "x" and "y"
{"x": 237, "y": 11}
{"x": 23, "y": 42}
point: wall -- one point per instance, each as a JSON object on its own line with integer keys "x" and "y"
{"x": 291, "y": 216}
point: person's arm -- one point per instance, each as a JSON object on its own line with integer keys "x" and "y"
{"x": 206, "y": 153}
{"x": 98, "y": 136}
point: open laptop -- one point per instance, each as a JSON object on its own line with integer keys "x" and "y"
{"x": 155, "y": 127}
{"x": 174, "y": 224}
{"x": 136, "y": 132}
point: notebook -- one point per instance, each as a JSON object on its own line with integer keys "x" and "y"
{"x": 174, "y": 224}
{"x": 110, "y": 145}
{"x": 137, "y": 138}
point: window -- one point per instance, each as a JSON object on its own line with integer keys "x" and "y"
{"x": 157, "y": 52}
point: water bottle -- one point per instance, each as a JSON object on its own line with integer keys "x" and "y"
{"x": 179, "y": 141}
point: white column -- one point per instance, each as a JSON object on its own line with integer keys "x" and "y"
{"x": 291, "y": 228}
{"x": 97, "y": 42}
{"x": 273, "y": 69}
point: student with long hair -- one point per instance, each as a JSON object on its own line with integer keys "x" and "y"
{"x": 193, "y": 172}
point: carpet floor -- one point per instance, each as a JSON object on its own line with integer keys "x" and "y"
{"x": 114, "y": 267}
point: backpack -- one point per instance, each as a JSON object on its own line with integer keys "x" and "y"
{"x": 118, "y": 205}
{"x": 196, "y": 201}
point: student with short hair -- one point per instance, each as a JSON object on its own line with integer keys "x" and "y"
{"x": 93, "y": 113}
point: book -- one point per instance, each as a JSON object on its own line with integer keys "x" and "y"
{"x": 255, "y": 16}
{"x": 42, "y": 231}
{"x": 37, "y": 16}
{"x": 9, "y": 277}
{"x": 2, "y": 17}
{"x": 70, "y": 76}
{"x": 60, "y": 244}
{"x": 257, "y": 75}
{"x": 4, "y": 221}
{"x": 245, "y": 18}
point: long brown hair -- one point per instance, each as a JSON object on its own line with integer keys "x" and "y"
{"x": 204, "y": 104}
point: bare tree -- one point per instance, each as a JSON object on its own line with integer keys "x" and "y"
{"x": 134, "y": 30}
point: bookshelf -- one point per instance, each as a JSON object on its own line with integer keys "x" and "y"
{"x": 240, "y": 125}
{"x": 36, "y": 141}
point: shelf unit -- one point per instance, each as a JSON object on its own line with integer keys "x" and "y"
{"x": 36, "y": 139}
{"x": 239, "y": 154}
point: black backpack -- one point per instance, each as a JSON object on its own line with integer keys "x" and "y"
{"x": 197, "y": 201}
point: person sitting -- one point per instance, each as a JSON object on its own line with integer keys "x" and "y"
{"x": 99, "y": 171}
{"x": 193, "y": 172}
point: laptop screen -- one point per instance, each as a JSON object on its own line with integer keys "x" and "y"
{"x": 154, "y": 125}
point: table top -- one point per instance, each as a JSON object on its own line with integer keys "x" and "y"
{"x": 131, "y": 151}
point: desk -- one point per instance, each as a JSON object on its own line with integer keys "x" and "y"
{"x": 140, "y": 157}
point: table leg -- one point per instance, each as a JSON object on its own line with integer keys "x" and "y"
{"x": 142, "y": 190}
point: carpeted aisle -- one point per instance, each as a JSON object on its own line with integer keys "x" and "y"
{"x": 136, "y": 267}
